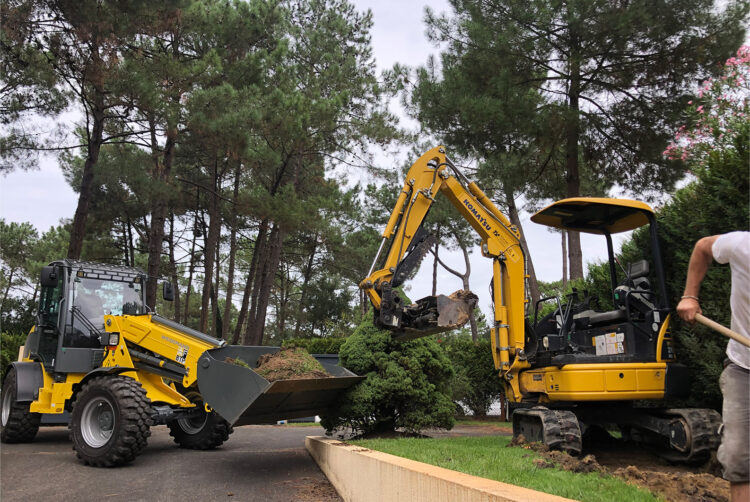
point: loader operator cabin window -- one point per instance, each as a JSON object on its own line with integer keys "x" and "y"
{"x": 95, "y": 298}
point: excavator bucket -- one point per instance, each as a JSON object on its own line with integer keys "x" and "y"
{"x": 436, "y": 314}
{"x": 243, "y": 397}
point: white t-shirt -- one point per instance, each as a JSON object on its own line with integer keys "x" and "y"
{"x": 734, "y": 248}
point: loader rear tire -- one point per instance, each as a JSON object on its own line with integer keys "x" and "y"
{"x": 203, "y": 431}
{"x": 18, "y": 424}
{"x": 110, "y": 421}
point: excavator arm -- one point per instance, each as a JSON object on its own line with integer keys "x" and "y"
{"x": 431, "y": 174}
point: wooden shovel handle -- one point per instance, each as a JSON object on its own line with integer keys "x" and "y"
{"x": 722, "y": 329}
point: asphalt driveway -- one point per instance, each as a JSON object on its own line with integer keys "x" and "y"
{"x": 264, "y": 463}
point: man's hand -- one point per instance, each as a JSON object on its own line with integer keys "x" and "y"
{"x": 687, "y": 308}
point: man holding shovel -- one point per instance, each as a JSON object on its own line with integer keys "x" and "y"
{"x": 732, "y": 248}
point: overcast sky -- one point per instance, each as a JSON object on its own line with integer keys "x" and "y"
{"x": 42, "y": 197}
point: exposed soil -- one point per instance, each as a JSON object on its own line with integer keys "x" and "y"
{"x": 673, "y": 483}
{"x": 314, "y": 490}
{"x": 459, "y": 314}
{"x": 292, "y": 363}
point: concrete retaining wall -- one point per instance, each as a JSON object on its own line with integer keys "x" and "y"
{"x": 362, "y": 475}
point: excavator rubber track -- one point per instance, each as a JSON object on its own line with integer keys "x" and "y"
{"x": 694, "y": 434}
{"x": 558, "y": 429}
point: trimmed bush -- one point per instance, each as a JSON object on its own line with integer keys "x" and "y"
{"x": 407, "y": 384}
{"x": 316, "y": 345}
{"x": 476, "y": 383}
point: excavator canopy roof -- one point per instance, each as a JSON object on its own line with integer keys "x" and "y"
{"x": 595, "y": 215}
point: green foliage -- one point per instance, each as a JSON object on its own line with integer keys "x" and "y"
{"x": 407, "y": 384}
{"x": 715, "y": 202}
{"x": 9, "y": 345}
{"x": 316, "y": 345}
{"x": 23, "y": 253}
{"x": 476, "y": 383}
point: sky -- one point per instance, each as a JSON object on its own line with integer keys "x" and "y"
{"x": 42, "y": 196}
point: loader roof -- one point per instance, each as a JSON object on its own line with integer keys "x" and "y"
{"x": 595, "y": 215}
{"x": 102, "y": 270}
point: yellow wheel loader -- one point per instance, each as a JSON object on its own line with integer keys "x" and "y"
{"x": 98, "y": 355}
{"x": 577, "y": 369}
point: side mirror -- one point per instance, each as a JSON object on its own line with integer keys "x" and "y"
{"x": 49, "y": 277}
{"x": 167, "y": 292}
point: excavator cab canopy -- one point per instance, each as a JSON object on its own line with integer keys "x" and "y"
{"x": 595, "y": 215}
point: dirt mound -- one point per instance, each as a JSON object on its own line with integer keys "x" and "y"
{"x": 458, "y": 312}
{"x": 677, "y": 486}
{"x": 291, "y": 363}
{"x": 667, "y": 482}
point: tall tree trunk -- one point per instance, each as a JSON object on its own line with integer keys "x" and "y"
{"x": 232, "y": 251}
{"x": 94, "y": 144}
{"x": 131, "y": 248}
{"x": 564, "y": 240}
{"x": 266, "y": 278}
{"x": 249, "y": 282}
{"x": 435, "y": 263}
{"x": 191, "y": 269}
{"x": 216, "y": 324}
{"x": 306, "y": 275}
{"x": 212, "y": 239}
{"x": 161, "y": 175}
{"x": 173, "y": 270}
{"x": 125, "y": 246}
{"x": 515, "y": 219}
{"x": 572, "y": 177}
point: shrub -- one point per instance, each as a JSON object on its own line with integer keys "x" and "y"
{"x": 476, "y": 383}
{"x": 407, "y": 384}
{"x": 9, "y": 345}
{"x": 316, "y": 345}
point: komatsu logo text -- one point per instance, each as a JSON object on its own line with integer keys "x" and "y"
{"x": 481, "y": 219}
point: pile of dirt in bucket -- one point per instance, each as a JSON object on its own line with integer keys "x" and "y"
{"x": 458, "y": 310}
{"x": 670, "y": 483}
{"x": 292, "y": 363}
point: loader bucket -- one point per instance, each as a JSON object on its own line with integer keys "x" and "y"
{"x": 243, "y": 397}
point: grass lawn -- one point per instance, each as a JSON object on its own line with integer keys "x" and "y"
{"x": 488, "y": 457}
{"x": 302, "y": 424}
{"x": 494, "y": 423}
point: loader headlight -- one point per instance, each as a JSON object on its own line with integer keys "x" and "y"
{"x": 114, "y": 340}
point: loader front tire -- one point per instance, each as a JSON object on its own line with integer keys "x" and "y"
{"x": 18, "y": 424}
{"x": 110, "y": 421}
{"x": 202, "y": 431}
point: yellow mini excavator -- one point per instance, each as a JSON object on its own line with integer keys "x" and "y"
{"x": 99, "y": 360}
{"x": 577, "y": 368}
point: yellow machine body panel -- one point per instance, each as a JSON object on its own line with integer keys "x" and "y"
{"x": 596, "y": 382}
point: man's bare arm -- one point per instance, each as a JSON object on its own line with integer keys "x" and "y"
{"x": 700, "y": 260}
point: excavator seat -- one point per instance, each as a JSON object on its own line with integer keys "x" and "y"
{"x": 593, "y": 318}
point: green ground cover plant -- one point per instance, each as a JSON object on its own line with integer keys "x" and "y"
{"x": 489, "y": 457}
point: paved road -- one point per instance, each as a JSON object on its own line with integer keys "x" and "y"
{"x": 267, "y": 463}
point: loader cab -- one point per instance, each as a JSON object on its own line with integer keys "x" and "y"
{"x": 75, "y": 296}
{"x": 632, "y": 324}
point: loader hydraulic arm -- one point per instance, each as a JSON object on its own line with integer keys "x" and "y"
{"x": 433, "y": 172}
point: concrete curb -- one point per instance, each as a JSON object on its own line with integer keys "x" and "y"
{"x": 362, "y": 475}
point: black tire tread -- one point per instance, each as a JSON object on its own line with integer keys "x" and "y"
{"x": 22, "y": 424}
{"x": 135, "y": 414}
{"x": 213, "y": 434}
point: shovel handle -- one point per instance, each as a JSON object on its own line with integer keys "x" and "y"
{"x": 722, "y": 329}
